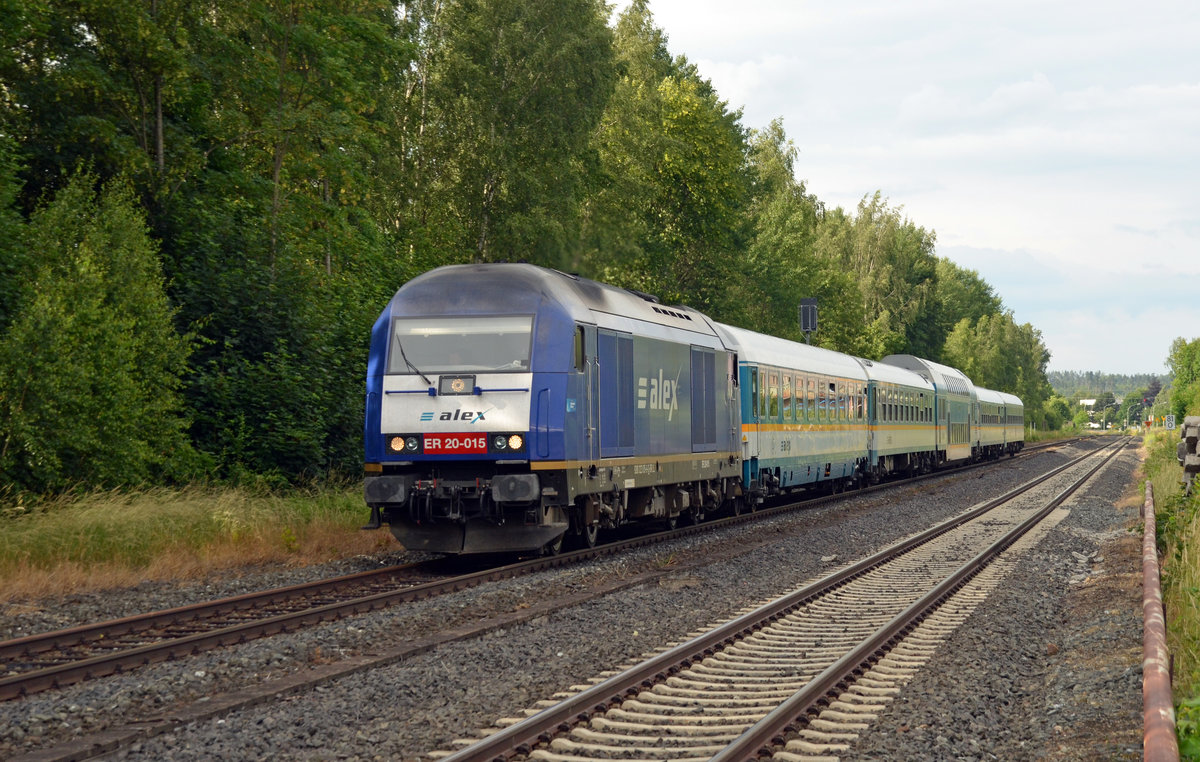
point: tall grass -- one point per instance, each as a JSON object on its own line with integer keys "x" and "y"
{"x": 1178, "y": 522}
{"x": 110, "y": 539}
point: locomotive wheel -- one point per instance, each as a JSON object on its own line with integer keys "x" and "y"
{"x": 588, "y": 535}
{"x": 554, "y": 547}
{"x": 671, "y": 522}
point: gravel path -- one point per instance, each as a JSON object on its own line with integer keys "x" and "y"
{"x": 1061, "y": 678}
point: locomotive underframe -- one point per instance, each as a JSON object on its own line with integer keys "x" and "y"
{"x": 477, "y": 508}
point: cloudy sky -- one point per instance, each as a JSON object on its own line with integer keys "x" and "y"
{"x": 1054, "y": 147}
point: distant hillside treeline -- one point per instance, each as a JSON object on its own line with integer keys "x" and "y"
{"x": 204, "y": 206}
{"x": 1075, "y": 383}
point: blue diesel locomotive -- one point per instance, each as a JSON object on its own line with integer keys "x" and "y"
{"x": 510, "y": 407}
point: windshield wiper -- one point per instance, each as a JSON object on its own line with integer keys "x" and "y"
{"x": 411, "y": 367}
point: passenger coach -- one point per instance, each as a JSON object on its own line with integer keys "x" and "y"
{"x": 803, "y": 410}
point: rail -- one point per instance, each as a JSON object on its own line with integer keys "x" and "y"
{"x": 1159, "y": 743}
{"x": 521, "y": 738}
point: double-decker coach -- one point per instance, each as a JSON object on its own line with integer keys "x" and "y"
{"x": 1000, "y": 419}
{"x": 902, "y": 406}
{"x": 954, "y": 405}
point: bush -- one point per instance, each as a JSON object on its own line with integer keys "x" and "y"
{"x": 90, "y": 365}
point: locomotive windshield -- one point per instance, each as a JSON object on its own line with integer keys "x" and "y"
{"x": 460, "y": 344}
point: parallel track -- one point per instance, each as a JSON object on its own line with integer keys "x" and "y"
{"x": 752, "y": 686}
{"x": 48, "y": 661}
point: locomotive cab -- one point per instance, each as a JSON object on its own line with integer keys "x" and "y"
{"x": 458, "y": 393}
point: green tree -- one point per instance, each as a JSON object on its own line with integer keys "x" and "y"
{"x": 514, "y": 89}
{"x": 1057, "y": 412}
{"x": 272, "y": 252}
{"x": 997, "y": 353}
{"x": 893, "y": 262}
{"x": 960, "y": 293}
{"x": 679, "y": 152}
{"x": 780, "y": 266}
{"x": 1184, "y": 362}
{"x": 13, "y": 257}
{"x": 90, "y": 365}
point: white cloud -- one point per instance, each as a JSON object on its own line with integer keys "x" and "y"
{"x": 1053, "y": 144}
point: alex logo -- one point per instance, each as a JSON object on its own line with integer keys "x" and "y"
{"x": 467, "y": 416}
{"x": 659, "y": 394}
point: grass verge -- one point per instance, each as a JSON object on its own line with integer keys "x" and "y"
{"x": 1178, "y": 522}
{"x": 114, "y": 539}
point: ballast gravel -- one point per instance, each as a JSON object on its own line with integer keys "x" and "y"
{"x": 1048, "y": 667}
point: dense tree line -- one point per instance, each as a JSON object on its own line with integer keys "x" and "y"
{"x": 204, "y": 205}
{"x": 1184, "y": 362}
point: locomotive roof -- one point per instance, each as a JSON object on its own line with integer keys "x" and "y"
{"x": 496, "y": 288}
{"x": 770, "y": 350}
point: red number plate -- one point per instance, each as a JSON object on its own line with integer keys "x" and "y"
{"x": 456, "y": 444}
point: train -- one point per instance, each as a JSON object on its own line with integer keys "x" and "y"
{"x": 511, "y": 408}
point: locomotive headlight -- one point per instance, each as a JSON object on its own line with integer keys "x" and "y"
{"x": 500, "y": 442}
{"x": 396, "y": 444}
{"x": 515, "y": 442}
{"x": 411, "y": 444}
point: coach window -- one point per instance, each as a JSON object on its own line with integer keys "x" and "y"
{"x": 773, "y": 390}
{"x": 841, "y": 400}
{"x": 763, "y": 393}
{"x": 788, "y": 410}
{"x": 810, "y": 407}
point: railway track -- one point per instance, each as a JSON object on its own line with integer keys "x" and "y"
{"x": 53, "y": 660}
{"x": 796, "y": 678}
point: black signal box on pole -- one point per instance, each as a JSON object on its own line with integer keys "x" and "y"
{"x": 808, "y": 318}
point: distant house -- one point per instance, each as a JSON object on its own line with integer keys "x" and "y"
{"x": 1089, "y": 404}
